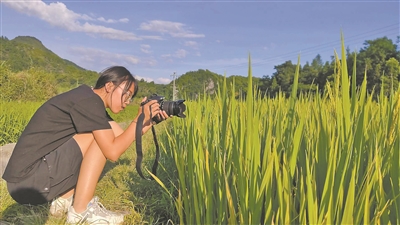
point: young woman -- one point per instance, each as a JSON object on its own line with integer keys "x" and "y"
{"x": 63, "y": 150}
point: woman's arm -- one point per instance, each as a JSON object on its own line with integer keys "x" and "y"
{"x": 114, "y": 142}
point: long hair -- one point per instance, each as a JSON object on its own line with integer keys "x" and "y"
{"x": 117, "y": 75}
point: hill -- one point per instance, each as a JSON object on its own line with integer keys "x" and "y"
{"x": 24, "y": 52}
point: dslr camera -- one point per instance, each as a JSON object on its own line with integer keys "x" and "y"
{"x": 174, "y": 108}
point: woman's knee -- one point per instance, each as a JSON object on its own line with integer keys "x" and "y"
{"x": 84, "y": 141}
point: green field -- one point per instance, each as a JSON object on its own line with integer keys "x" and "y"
{"x": 307, "y": 159}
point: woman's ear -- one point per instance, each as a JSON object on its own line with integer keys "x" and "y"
{"x": 109, "y": 86}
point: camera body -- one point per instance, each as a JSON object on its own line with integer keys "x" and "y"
{"x": 172, "y": 108}
{"x": 159, "y": 98}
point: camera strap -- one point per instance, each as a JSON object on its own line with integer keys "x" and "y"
{"x": 139, "y": 152}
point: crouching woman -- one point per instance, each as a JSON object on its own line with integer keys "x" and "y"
{"x": 62, "y": 151}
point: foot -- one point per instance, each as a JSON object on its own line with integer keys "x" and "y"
{"x": 59, "y": 206}
{"x": 95, "y": 213}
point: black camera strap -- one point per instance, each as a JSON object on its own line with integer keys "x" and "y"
{"x": 139, "y": 152}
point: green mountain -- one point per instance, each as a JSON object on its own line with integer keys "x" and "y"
{"x": 196, "y": 83}
{"x": 23, "y": 53}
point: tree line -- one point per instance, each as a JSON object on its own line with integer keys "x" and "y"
{"x": 29, "y": 71}
{"x": 378, "y": 60}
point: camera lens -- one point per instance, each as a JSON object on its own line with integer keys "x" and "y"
{"x": 174, "y": 108}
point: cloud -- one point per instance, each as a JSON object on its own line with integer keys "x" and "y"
{"x": 58, "y": 15}
{"x": 180, "y": 53}
{"x": 192, "y": 44}
{"x": 145, "y": 49}
{"x": 124, "y": 20}
{"x": 148, "y": 61}
{"x": 92, "y": 58}
{"x": 91, "y": 55}
{"x": 148, "y": 79}
{"x": 174, "y": 29}
{"x": 159, "y": 80}
{"x": 163, "y": 80}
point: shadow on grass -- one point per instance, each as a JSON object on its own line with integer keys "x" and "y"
{"x": 18, "y": 214}
{"x": 108, "y": 167}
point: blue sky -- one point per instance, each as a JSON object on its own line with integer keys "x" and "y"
{"x": 154, "y": 39}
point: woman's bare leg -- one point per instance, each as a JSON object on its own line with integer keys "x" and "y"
{"x": 68, "y": 194}
{"x": 84, "y": 141}
{"x": 92, "y": 165}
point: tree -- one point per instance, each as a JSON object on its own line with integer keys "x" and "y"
{"x": 265, "y": 84}
{"x": 28, "y": 85}
{"x": 372, "y": 59}
{"x": 284, "y": 75}
{"x": 309, "y": 74}
{"x": 392, "y": 69}
{"x": 326, "y": 75}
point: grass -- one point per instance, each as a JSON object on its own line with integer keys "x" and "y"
{"x": 120, "y": 188}
{"x": 13, "y": 119}
{"x": 307, "y": 159}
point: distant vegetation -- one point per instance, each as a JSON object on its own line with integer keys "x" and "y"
{"x": 194, "y": 84}
{"x": 27, "y": 53}
{"x": 378, "y": 60}
{"x": 26, "y": 65}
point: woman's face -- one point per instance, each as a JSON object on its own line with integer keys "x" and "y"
{"x": 120, "y": 100}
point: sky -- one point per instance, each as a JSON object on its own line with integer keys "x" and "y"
{"x": 156, "y": 39}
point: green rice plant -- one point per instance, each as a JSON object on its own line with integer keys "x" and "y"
{"x": 14, "y": 117}
{"x": 309, "y": 159}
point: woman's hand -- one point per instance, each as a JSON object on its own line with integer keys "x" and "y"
{"x": 162, "y": 116}
{"x": 150, "y": 109}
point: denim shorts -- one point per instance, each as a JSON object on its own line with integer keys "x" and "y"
{"x": 51, "y": 176}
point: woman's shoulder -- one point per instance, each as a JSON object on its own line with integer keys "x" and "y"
{"x": 83, "y": 88}
{"x": 82, "y": 93}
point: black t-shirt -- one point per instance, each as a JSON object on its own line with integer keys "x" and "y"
{"x": 77, "y": 111}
